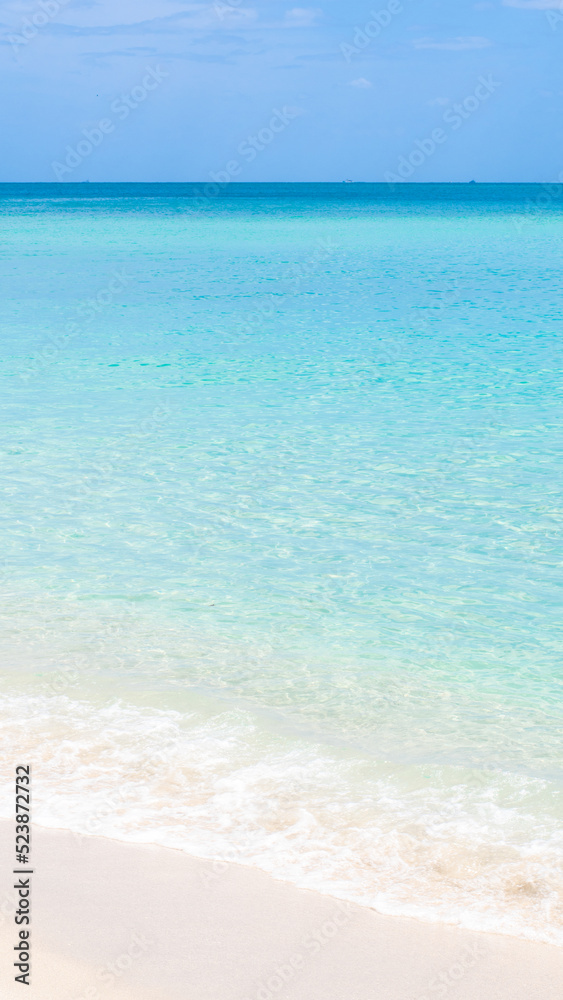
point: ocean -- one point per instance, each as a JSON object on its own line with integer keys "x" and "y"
{"x": 281, "y": 532}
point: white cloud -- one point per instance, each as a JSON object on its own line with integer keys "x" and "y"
{"x": 535, "y": 4}
{"x": 361, "y": 83}
{"x": 107, "y": 12}
{"x": 139, "y": 17}
{"x": 439, "y": 102}
{"x": 224, "y": 10}
{"x": 453, "y": 44}
{"x": 302, "y": 17}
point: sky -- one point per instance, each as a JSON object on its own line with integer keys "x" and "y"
{"x": 249, "y": 90}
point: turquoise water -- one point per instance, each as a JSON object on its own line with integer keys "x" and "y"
{"x": 281, "y": 537}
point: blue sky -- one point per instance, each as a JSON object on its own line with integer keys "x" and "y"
{"x": 262, "y": 91}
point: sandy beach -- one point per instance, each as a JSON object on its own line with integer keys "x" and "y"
{"x": 280, "y": 501}
{"x": 123, "y": 921}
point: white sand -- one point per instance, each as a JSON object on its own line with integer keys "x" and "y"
{"x": 115, "y": 921}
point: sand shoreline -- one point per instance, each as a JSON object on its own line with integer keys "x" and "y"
{"x": 117, "y": 920}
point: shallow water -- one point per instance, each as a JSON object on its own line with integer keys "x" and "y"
{"x": 281, "y": 532}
